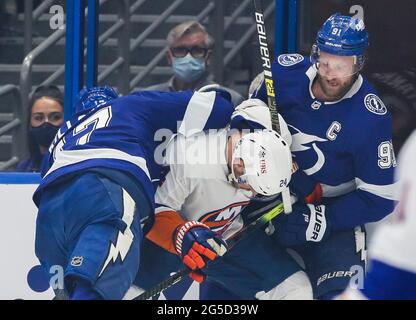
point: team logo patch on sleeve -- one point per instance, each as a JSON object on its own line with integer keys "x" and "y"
{"x": 287, "y": 60}
{"x": 374, "y": 104}
{"x": 77, "y": 261}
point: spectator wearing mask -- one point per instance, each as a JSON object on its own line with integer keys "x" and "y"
{"x": 46, "y": 114}
{"x": 190, "y": 50}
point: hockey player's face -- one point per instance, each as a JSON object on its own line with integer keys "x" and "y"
{"x": 236, "y": 165}
{"x": 335, "y": 74}
{"x": 239, "y": 171}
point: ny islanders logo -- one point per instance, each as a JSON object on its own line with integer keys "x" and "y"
{"x": 222, "y": 218}
{"x": 287, "y": 60}
{"x": 374, "y": 104}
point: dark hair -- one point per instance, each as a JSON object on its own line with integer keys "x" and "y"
{"x": 51, "y": 92}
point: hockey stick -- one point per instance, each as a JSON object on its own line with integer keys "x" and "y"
{"x": 268, "y": 81}
{"x": 245, "y": 231}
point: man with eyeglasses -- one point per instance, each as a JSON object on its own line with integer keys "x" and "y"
{"x": 190, "y": 49}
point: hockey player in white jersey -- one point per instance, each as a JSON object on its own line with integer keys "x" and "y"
{"x": 212, "y": 177}
{"x": 392, "y": 270}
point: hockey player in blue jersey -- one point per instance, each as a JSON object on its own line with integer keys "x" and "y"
{"x": 341, "y": 135}
{"x": 97, "y": 184}
{"x": 392, "y": 270}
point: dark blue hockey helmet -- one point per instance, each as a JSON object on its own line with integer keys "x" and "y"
{"x": 343, "y": 36}
{"x": 93, "y": 97}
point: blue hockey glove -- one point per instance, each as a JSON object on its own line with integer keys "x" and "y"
{"x": 196, "y": 243}
{"x": 306, "y": 223}
{"x": 304, "y": 186}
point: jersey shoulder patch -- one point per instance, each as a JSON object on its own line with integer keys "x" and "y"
{"x": 374, "y": 104}
{"x": 287, "y": 60}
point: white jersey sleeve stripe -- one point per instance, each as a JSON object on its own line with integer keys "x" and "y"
{"x": 386, "y": 191}
{"x": 339, "y": 190}
{"x": 197, "y": 113}
{"x": 70, "y": 157}
{"x": 383, "y": 191}
{"x": 163, "y": 209}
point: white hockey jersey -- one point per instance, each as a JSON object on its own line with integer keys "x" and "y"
{"x": 197, "y": 187}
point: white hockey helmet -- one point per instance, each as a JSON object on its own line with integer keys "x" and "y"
{"x": 267, "y": 162}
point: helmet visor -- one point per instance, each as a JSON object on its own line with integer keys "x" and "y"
{"x": 334, "y": 66}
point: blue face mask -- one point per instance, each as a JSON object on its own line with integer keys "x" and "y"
{"x": 188, "y": 68}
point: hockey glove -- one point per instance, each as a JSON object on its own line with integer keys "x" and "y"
{"x": 305, "y": 187}
{"x": 195, "y": 244}
{"x": 305, "y": 223}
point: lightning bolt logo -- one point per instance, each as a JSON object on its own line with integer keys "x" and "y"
{"x": 124, "y": 239}
{"x": 360, "y": 244}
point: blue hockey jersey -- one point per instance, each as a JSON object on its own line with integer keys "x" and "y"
{"x": 344, "y": 145}
{"x": 128, "y": 135}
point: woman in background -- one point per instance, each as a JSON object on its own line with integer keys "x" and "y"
{"x": 46, "y": 115}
